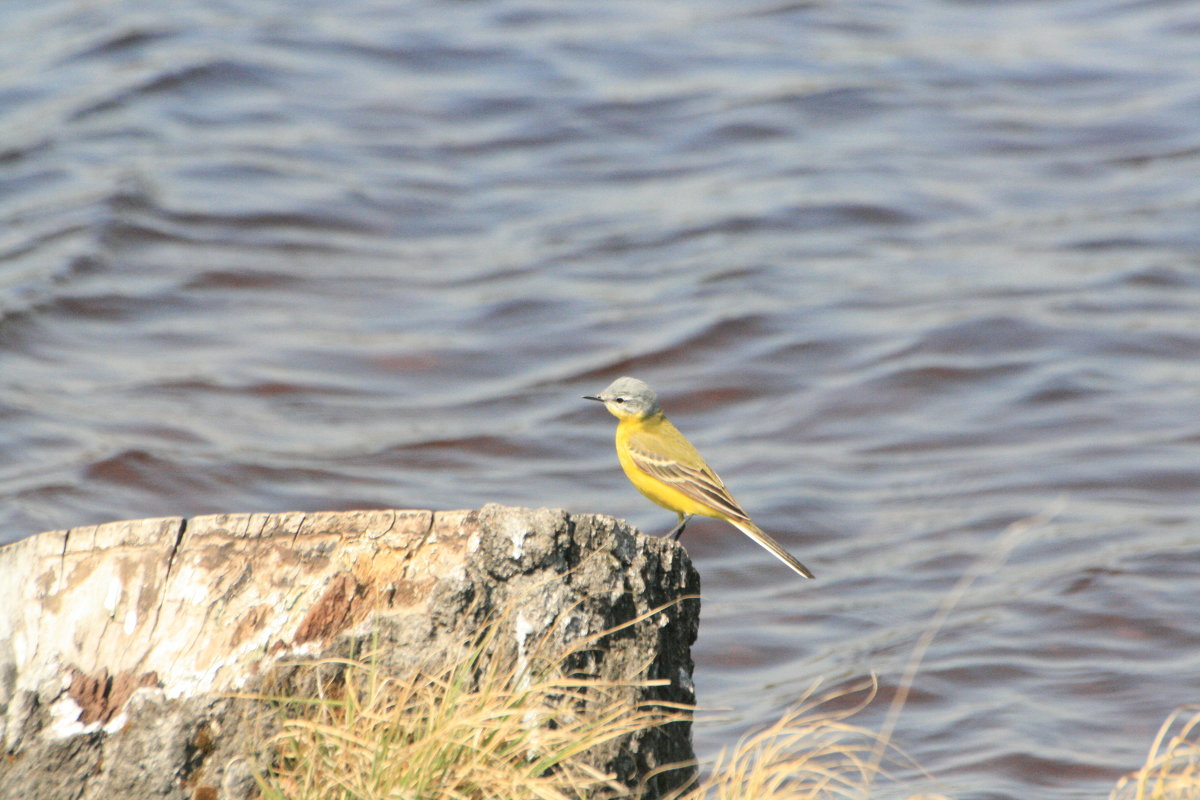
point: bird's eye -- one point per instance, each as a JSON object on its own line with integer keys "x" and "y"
{"x": 619, "y": 399}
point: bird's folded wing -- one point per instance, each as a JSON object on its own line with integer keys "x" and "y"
{"x": 688, "y": 475}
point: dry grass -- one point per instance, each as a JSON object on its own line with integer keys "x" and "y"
{"x": 1172, "y": 768}
{"x": 488, "y": 729}
{"x": 478, "y": 727}
{"x": 811, "y": 753}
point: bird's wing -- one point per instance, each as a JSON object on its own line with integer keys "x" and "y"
{"x": 666, "y": 455}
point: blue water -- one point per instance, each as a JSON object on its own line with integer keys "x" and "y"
{"x": 906, "y": 273}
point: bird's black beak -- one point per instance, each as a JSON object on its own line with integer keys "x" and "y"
{"x": 590, "y": 397}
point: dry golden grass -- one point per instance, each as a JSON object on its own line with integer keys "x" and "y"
{"x": 488, "y": 729}
{"x": 1172, "y": 768}
{"x": 477, "y": 727}
{"x": 812, "y": 752}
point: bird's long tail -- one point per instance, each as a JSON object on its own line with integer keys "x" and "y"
{"x": 754, "y": 532}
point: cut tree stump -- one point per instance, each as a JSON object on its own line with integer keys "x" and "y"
{"x": 124, "y": 647}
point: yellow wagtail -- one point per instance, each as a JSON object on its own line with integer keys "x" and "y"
{"x": 665, "y": 467}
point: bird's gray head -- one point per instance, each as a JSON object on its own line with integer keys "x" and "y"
{"x": 628, "y": 398}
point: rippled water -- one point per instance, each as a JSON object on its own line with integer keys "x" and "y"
{"x": 906, "y": 272}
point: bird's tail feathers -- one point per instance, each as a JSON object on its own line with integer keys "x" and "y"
{"x": 776, "y": 549}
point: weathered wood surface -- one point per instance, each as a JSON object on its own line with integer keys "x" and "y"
{"x": 199, "y": 603}
{"x": 121, "y": 642}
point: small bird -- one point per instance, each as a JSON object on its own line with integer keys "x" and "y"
{"x": 665, "y": 467}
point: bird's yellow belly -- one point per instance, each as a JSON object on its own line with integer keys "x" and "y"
{"x": 661, "y": 493}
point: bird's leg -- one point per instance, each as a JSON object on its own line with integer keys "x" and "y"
{"x": 677, "y": 531}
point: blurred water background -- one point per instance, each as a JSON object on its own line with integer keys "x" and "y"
{"x": 907, "y": 272}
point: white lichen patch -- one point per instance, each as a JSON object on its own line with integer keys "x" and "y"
{"x": 685, "y": 680}
{"x": 116, "y": 723}
{"x": 64, "y": 719}
{"x": 518, "y": 540}
{"x": 112, "y": 596}
{"x": 522, "y": 628}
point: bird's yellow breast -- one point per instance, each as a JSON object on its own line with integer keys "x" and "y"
{"x": 659, "y": 428}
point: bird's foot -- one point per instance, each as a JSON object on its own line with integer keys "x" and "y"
{"x": 677, "y": 531}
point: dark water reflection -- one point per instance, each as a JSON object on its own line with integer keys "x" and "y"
{"x": 907, "y": 273}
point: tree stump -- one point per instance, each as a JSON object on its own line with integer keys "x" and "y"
{"x": 123, "y": 646}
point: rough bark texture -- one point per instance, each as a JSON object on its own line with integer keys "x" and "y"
{"x": 121, "y": 645}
